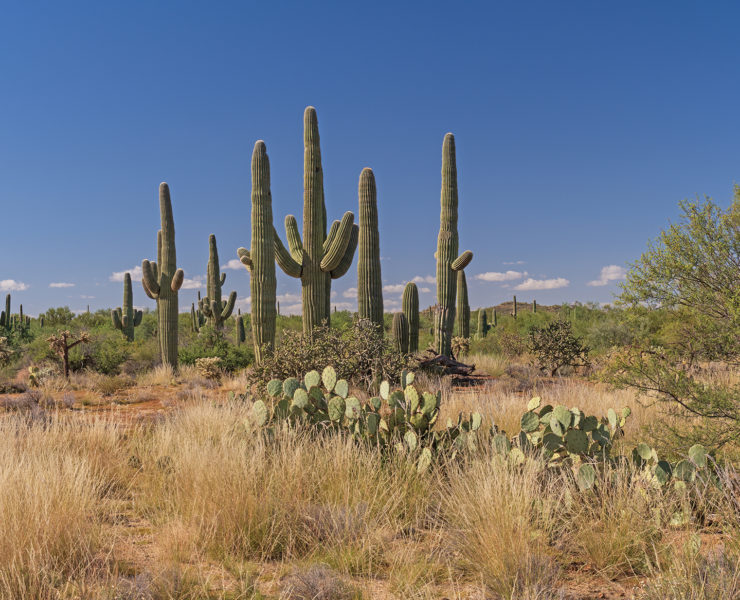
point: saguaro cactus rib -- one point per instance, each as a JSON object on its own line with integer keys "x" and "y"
{"x": 310, "y": 257}
{"x": 260, "y": 260}
{"x": 164, "y": 280}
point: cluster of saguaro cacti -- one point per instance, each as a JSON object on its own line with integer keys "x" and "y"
{"x": 400, "y": 332}
{"x": 260, "y": 259}
{"x": 410, "y": 308}
{"x": 463, "y": 306}
{"x": 126, "y": 318}
{"x": 317, "y": 258}
{"x": 212, "y": 306}
{"x": 482, "y": 323}
{"x": 162, "y": 280}
{"x": 448, "y": 261}
{"x": 369, "y": 281}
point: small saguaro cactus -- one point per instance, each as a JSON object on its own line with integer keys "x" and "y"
{"x": 163, "y": 279}
{"x": 317, "y": 258}
{"x": 495, "y": 319}
{"x": 212, "y": 306}
{"x": 400, "y": 332}
{"x": 6, "y": 319}
{"x": 194, "y": 323}
{"x": 369, "y": 281}
{"x": 463, "y": 307}
{"x": 482, "y": 323}
{"x": 410, "y": 308}
{"x": 534, "y": 306}
{"x": 126, "y": 318}
{"x": 239, "y": 331}
{"x": 41, "y": 321}
{"x": 513, "y": 309}
{"x": 448, "y": 262}
{"x": 260, "y": 259}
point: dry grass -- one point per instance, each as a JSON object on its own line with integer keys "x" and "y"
{"x": 196, "y": 504}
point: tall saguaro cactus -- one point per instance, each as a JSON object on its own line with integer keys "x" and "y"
{"x": 410, "y": 308}
{"x": 369, "y": 281}
{"x": 448, "y": 262}
{"x": 260, "y": 259}
{"x": 482, "y": 323}
{"x": 163, "y": 279}
{"x": 463, "y": 306}
{"x": 317, "y": 258}
{"x": 212, "y": 306}
{"x": 126, "y": 318}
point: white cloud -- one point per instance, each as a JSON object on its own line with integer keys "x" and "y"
{"x": 292, "y": 298}
{"x": 61, "y": 284}
{"x": 234, "y": 263}
{"x": 425, "y": 290}
{"x": 190, "y": 284}
{"x": 344, "y": 306}
{"x": 291, "y": 309}
{"x": 350, "y": 293}
{"x": 394, "y": 289}
{"x": 515, "y": 262}
{"x": 494, "y": 276}
{"x": 542, "y": 284}
{"x": 87, "y": 297}
{"x": 11, "y": 285}
{"x": 609, "y": 273}
{"x": 135, "y": 273}
{"x": 426, "y": 279}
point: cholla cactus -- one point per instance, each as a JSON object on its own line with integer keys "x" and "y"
{"x": 317, "y": 258}
{"x": 162, "y": 280}
{"x": 126, "y": 318}
{"x": 448, "y": 262}
{"x": 212, "y": 306}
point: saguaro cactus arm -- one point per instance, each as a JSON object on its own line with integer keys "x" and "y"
{"x": 285, "y": 260}
{"x": 462, "y": 261}
{"x": 177, "y": 280}
{"x": 149, "y": 279}
{"x": 349, "y": 254}
{"x": 115, "y": 315}
{"x": 338, "y": 246}
{"x": 245, "y": 258}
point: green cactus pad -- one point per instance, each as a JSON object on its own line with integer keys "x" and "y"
{"x": 589, "y": 423}
{"x": 396, "y": 398}
{"x": 685, "y": 471}
{"x": 337, "y": 408}
{"x": 552, "y": 442}
{"x": 259, "y": 413}
{"x": 412, "y": 397}
{"x": 274, "y": 388}
{"x": 316, "y": 395}
{"x": 385, "y": 390}
{"x": 698, "y": 454}
{"x": 420, "y": 422}
{"x": 290, "y": 385}
{"x": 329, "y": 378}
{"x": 341, "y": 388}
{"x": 300, "y": 398}
{"x": 429, "y": 404}
{"x": 373, "y": 423}
{"x": 534, "y": 403}
{"x": 375, "y": 402}
{"x": 556, "y": 426}
{"x": 501, "y": 444}
{"x": 352, "y": 409}
{"x": 530, "y": 421}
{"x": 662, "y": 472}
{"x": 563, "y": 415}
{"x": 586, "y": 477}
{"x": 612, "y": 418}
{"x": 425, "y": 460}
{"x": 411, "y": 440}
{"x": 475, "y": 421}
{"x": 644, "y": 451}
{"x": 312, "y": 379}
{"x": 517, "y": 457}
{"x": 576, "y": 441}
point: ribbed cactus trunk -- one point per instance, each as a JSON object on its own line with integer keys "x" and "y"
{"x": 317, "y": 258}
{"x": 400, "y": 333}
{"x": 410, "y": 308}
{"x": 212, "y": 306}
{"x": 463, "y": 307}
{"x": 260, "y": 259}
{"x": 239, "y": 333}
{"x": 448, "y": 262}
{"x": 194, "y": 324}
{"x": 369, "y": 281}
{"x": 162, "y": 281}
{"x": 126, "y": 319}
{"x": 482, "y": 324}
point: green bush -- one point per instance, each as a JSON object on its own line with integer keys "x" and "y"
{"x": 554, "y": 346}
{"x": 212, "y": 343}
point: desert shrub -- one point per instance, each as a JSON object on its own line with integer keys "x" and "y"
{"x": 107, "y": 385}
{"x": 104, "y": 354}
{"x": 58, "y": 317}
{"x": 510, "y": 343}
{"x": 359, "y": 353}
{"x": 209, "y": 368}
{"x": 554, "y": 346}
{"x": 212, "y": 343}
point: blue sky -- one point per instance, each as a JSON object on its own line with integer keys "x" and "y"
{"x": 579, "y": 126}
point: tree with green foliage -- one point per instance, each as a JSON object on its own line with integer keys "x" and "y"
{"x": 691, "y": 270}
